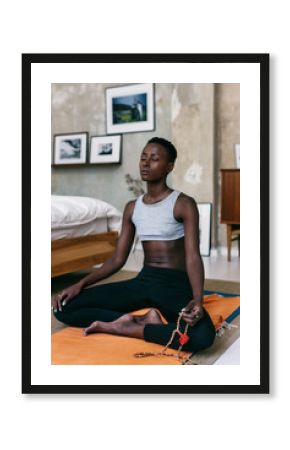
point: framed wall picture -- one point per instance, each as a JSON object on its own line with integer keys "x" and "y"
{"x": 204, "y": 210}
{"x": 130, "y": 108}
{"x": 250, "y": 375}
{"x": 70, "y": 148}
{"x": 105, "y": 149}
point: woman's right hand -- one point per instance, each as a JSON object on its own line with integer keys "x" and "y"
{"x": 63, "y": 297}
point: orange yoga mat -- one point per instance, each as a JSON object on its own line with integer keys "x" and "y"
{"x": 69, "y": 346}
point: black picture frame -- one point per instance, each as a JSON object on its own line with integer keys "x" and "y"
{"x": 65, "y": 153}
{"x": 262, "y": 60}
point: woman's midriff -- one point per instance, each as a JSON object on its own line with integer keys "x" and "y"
{"x": 168, "y": 254}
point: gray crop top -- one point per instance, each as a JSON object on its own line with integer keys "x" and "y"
{"x": 156, "y": 222}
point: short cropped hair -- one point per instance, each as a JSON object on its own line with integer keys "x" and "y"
{"x": 167, "y": 145}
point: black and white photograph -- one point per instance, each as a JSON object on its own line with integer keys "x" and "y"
{"x": 105, "y": 149}
{"x": 130, "y": 108}
{"x": 70, "y": 148}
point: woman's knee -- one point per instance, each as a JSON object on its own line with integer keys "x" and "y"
{"x": 60, "y": 316}
{"x": 200, "y": 339}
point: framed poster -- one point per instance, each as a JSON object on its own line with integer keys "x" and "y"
{"x": 130, "y": 108}
{"x": 251, "y": 72}
{"x": 70, "y": 148}
{"x": 105, "y": 149}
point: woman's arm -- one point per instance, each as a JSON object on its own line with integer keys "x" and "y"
{"x": 187, "y": 211}
{"x": 122, "y": 251}
{"x": 110, "y": 266}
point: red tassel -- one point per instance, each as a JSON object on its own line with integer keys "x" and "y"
{"x": 183, "y": 338}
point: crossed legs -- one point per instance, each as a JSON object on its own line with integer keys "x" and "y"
{"x": 107, "y": 309}
{"x": 127, "y": 325}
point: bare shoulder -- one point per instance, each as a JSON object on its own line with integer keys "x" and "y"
{"x": 186, "y": 201}
{"x": 130, "y": 205}
{"x": 129, "y": 208}
{"x": 185, "y": 206}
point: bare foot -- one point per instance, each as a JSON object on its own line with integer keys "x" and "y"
{"x": 152, "y": 316}
{"x": 126, "y": 325}
{"x": 124, "y": 318}
{"x": 99, "y": 327}
{"x": 93, "y": 328}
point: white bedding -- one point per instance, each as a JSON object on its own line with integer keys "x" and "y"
{"x": 82, "y": 216}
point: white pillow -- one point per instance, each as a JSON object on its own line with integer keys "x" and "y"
{"x": 67, "y": 211}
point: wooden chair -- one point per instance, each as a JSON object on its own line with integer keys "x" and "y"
{"x": 230, "y": 205}
{"x": 233, "y": 234}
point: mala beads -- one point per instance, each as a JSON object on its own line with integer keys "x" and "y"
{"x": 183, "y": 339}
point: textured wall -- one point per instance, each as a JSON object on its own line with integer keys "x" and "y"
{"x": 202, "y": 120}
{"x": 81, "y": 107}
{"x": 227, "y": 122}
{"x": 227, "y": 118}
{"x": 193, "y": 134}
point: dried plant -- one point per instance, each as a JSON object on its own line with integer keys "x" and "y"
{"x": 134, "y": 185}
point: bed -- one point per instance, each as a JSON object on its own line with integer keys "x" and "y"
{"x": 84, "y": 233}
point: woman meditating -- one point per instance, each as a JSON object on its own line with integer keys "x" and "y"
{"x": 167, "y": 223}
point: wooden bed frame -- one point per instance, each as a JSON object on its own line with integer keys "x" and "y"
{"x": 72, "y": 255}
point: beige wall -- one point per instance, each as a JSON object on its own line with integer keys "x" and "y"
{"x": 202, "y": 120}
{"x": 193, "y": 135}
{"x": 205, "y": 127}
{"x": 227, "y": 122}
{"x": 227, "y": 119}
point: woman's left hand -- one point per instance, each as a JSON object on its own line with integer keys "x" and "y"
{"x": 193, "y": 312}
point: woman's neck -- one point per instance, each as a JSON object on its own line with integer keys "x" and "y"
{"x": 156, "y": 191}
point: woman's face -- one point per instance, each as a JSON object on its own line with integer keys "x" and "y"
{"x": 154, "y": 164}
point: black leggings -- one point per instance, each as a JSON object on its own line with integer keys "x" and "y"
{"x": 167, "y": 290}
